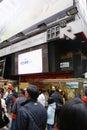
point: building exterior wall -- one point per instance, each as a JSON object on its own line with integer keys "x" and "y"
{"x": 67, "y": 32}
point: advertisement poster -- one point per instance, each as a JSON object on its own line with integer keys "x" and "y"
{"x": 72, "y": 85}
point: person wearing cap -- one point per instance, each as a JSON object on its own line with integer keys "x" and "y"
{"x": 9, "y": 90}
{"x": 8, "y": 98}
{"x": 31, "y": 115}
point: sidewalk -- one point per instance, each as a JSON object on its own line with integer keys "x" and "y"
{"x": 4, "y": 128}
{"x": 8, "y": 129}
{"x": 54, "y": 128}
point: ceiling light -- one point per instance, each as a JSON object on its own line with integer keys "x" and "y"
{"x": 72, "y": 11}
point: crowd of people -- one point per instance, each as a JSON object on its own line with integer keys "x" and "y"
{"x": 32, "y": 109}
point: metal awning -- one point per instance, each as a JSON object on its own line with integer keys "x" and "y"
{"x": 64, "y": 80}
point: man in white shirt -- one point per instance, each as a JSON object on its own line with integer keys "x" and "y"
{"x": 42, "y": 98}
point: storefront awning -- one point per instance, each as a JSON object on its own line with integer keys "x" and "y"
{"x": 64, "y": 80}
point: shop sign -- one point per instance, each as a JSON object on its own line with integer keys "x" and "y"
{"x": 53, "y": 32}
{"x": 60, "y": 30}
{"x": 64, "y": 64}
{"x": 72, "y": 85}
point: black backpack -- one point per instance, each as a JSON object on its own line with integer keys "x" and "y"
{"x": 34, "y": 122}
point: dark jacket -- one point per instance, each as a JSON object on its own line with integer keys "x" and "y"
{"x": 57, "y": 98}
{"x": 17, "y": 104}
{"x": 9, "y": 103}
{"x": 31, "y": 116}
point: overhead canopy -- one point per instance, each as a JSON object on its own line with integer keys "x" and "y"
{"x": 63, "y": 80}
{"x": 18, "y": 15}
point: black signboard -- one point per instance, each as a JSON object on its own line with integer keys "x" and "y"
{"x": 2, "y": 66}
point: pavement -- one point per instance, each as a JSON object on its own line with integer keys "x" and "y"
{"x": 8, "y": 129}
{"x": 4, "y": 128}
{"x": 54, "y": 128}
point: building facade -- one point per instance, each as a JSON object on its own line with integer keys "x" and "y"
{"x": 53, "y": 48}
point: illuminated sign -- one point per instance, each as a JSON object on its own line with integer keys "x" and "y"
{"x": 30, "y": 62}
{"x": 64, "y": 64}
{"x": 72, "y": 85}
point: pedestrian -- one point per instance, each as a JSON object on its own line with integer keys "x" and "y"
{"x": 85, "y": 97}
{"x": 18, "y": 103}
{"x": 22, "y": 93}
{"x": 50, "y": 113}
{"x": 2, "y": 99}
{"x": 73, "y": 115}
{"x": 59, "y": 102}
{"x": 8, "y": 99}
{"x": 13, "y": 115}
{"x": 42, "y": 98}
{"x": 31, "y": 115}
{"x": 18, "y": 100}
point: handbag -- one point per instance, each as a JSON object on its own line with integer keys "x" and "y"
{"x": 58, "y": 106}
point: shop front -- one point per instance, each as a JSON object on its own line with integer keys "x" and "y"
{"x": 69, "y": 87}
{"x": 52, "y": 49}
